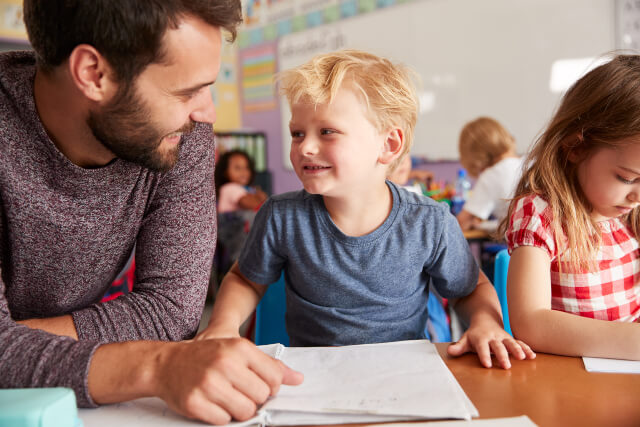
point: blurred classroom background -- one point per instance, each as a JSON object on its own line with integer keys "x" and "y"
{"x": 508, "y": 60}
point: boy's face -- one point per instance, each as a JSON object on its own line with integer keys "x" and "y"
{"x": 335, "y": 148}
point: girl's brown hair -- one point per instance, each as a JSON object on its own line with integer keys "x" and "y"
{"x": 601, "y": 110}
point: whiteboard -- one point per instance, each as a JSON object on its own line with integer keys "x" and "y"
{"x": 474, "y": 57}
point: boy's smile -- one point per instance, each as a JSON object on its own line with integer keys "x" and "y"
{"x": 335, "y": 148}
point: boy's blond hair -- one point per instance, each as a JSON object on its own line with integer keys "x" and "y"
{"x": 482, "y": 143}
{"x": 387, "y": 89}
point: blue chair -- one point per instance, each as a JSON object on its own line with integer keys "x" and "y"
{"x": 501, "y": 268}
{"x": 270, "y": 323}
{"x": 437, "y": 328}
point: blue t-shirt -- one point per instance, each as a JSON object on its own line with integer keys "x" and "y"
{"x": 344, "y": 290}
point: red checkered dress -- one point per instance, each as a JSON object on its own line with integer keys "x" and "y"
{"x": 611, "y": 293}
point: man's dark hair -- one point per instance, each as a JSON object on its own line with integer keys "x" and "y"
{"x": 128, "y": 33}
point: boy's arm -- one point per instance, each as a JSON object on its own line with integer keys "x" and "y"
{"x": 235, "y": 301}
{"x": 552, "y": 331}
{"x": 481, "y": 311}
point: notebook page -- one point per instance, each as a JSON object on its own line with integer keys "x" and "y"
{"x": 404, "y": 379}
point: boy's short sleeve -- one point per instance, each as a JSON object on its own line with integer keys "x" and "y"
{"x": 261, "y": 259}
{"x": 453, "y": 270}
{"x": 529, "y": 225}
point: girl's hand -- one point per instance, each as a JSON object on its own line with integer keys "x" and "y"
{"x": 487, "y": 339}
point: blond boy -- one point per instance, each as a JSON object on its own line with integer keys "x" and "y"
{"x": 488, "y": 153}
{"x": 357, "y": 251}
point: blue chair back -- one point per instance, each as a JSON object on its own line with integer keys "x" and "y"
{"x": 270, "y": 312}
{"x": 501, "y": 268}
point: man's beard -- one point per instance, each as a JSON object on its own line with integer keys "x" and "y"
{"x": 124, "y": 127}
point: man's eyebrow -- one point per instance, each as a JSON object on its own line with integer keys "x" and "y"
{"x": 191, "y": 89}
{"x": 635, "y": 172}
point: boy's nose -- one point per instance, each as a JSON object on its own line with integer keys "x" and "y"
{"x": 309, "y": 146}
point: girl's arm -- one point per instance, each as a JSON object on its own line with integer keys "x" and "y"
{"x": 467, "y": 220}
{"x": 485, "y": 335}
{"x": 235, "y": 301}
{"x": 551, "y": 331}
{"x": 252, "y": 201}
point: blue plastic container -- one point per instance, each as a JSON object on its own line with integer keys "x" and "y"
{"x": 38, "y": 407}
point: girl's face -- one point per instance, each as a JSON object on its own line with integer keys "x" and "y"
{"x": 238, "y": 170}
{"x": 610, "y": 180}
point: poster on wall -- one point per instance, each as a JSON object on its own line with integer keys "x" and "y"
{"x": 265, "y": 12}
{"x": 628, "y": 25}
{"x": 11, "y": 20}
{"x": 225, "y": 91}
{"x": 258, "y": 65}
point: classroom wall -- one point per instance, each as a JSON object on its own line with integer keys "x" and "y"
{"x": 492, "y": 57}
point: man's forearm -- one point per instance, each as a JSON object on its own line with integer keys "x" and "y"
{"x": 61, "y": 325}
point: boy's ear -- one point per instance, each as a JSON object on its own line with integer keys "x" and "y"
{"x": 392, "y": 146}
{"x": 91, "y": 73}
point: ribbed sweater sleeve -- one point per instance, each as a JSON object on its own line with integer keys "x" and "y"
{"x": 174, "y": 251}
{"x": 66, "y": 232}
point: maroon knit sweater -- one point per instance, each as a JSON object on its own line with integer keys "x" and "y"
{"x": 66, "y": 232}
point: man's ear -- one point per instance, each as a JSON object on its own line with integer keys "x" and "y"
{"x": 91, "y": 73}
{"x": 393, "y": 145}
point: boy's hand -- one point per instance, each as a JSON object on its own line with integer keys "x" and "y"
{"x": 485, "y": 339}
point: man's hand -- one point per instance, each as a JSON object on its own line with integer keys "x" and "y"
{"x": 212, "y": 332}
{"x": 209, "y": 380}
{"x": 217, "y": 380}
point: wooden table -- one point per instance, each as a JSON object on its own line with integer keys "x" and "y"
{"x": 551, "y": 390}
{"x": 475, "y": 234}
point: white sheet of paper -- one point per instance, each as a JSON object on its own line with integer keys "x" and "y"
{"x": 616, "y": 366}
{"x": 521, "y": 421}
{"x": 404, "y": 379}
{"x": 354, "y": 384}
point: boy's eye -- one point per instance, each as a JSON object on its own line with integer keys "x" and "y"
{"x": 327, "y": 131}
{"x": 625, "y": 181}
{"x": 297, "y": 134}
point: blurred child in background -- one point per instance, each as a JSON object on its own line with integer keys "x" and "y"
{"x": 237, "y": 202}
{"x": 487, "y": 152}
{"x": 234, "y": 178}
{"x": 573, "y": 226}
{"x": 409, "y": 178}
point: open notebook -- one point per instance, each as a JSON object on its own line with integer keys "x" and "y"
{"x": 405, "y": 380}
